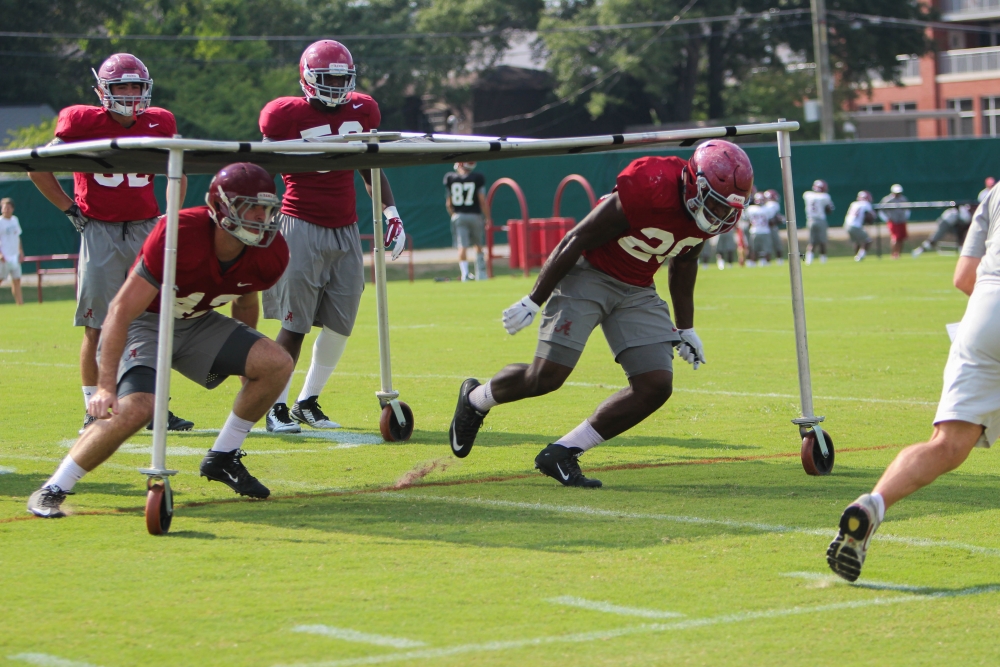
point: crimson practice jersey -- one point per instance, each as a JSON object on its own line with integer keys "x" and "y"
{"x": 114, "y": 197}
{"x": 201, "y": 284}
{"x": 651, "y": 195}
{"x": 324, "y": 198}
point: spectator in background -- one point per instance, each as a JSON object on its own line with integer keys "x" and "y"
{"x": 11, "y": 248}
{"x": 895, "y": 219}
{"x": 818, "y": 204}
{"x": 772, "y": 204}
{"x": 466, "y": 204}
{"x": 955, "y": 220}
{"x": 859, "y": 214}
{"x": 990, "y": 182}
{"x": 760, "y": 230}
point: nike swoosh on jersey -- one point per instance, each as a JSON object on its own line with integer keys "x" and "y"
{"x": 154, "y": 124}
{"x": 358, "y": 106}
{"x": 244, "y": 284}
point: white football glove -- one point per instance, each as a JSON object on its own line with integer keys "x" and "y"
{"x": 395, "y": 237}
{"x": 690, "y": 348}
{"x": 520, "y": 315}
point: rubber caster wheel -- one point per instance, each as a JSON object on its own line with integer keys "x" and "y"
{"x": 389, "y": 425}
{"x": 812, "y": 456}
{"x": 158, "y": 511}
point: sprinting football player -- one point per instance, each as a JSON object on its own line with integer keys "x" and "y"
{"x": 896, "y": 218}
{"x": 229, "y": 250}
{"x": 325, "y": 277}
{"x": 818, "y": 206}
{"x": 661, "y": 210}
{"x": 465, "y": 201}
{"x": 968, "y": 413}
{"x": 859, "y": 214}
{"x": 114, "y": 213}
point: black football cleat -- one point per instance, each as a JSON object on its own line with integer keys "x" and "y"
{"x": 174, "y": 423}
{"x": 467, "y": 421}
{"x": 88, "y": 419}
{"x": 227, "y": 468}
{"x": 46, "y": 502}
{"x": 562, "y": 464}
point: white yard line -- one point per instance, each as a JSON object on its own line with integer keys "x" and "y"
{"x": 751, "y": 525}
{"x": 432, "y": 653}
{"x": 4, "y": 470}
{"x": 608, "y": 608}
{"x": 11, "y": 351}
{"x": 45, "y": 660}
{"x": 348, "y": 635}
{"x": 829, "y": 578}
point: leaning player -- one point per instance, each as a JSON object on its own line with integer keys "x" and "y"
{"x": 601, "y": 273}
{"x": 818, "y": 205}
{"x": 113, "y": 212}
{"x": 465, "y": 201}
{"x": 325, "y": 277}
{"x": 229, "y": 250}
{"x": 772, "y": 204}
{"x": 968, "y": 413}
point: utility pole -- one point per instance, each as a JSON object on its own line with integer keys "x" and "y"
{"x": 824, "y": 77}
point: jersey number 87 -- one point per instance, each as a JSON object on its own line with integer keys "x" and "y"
{"x": 462, "y": 194}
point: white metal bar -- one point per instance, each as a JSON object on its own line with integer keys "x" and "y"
{"x": 381, "y": 296}
{"x": 165, "y": 346}
{"x": 795, "y": 272}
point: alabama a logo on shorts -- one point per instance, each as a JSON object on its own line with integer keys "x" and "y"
{"x": 133, "y": 352}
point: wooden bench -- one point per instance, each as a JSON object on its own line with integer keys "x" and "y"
{"x": 41, "y": 271}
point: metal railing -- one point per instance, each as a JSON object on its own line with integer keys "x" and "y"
{"x": 970, "y": 61}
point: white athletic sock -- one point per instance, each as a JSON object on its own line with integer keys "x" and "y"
{"x": 809, "y": 257}
{"x": 233, "y": 434}
{"x": 583, "y": 436}
{"x": 66, "y": 475}
{"x": 880, "y": 503}
{"x": 822, "y": 259}
{"x": 464, "y": 266}
{"x": 482, "y": 398}
{"x": 88, "y": 393}
{"x": 283, "y": 398}
{"x": 327, "y": 350}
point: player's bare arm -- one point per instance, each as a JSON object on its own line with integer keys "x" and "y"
{"x": 482, "y": 207}
{"x": 131, "y": 301}
{"x": 246, "y": 309}
{"x": 387, "y": 198}
{"x": 606, "y": 222}
{"x": 682, "y": 272}
{"x": 49, "y": 187}
{"x": 965, "y": 273}
{"x": 449, "y": 207}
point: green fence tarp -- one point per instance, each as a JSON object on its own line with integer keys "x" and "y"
{"x": 928, "y": 170}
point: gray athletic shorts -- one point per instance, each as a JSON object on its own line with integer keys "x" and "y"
{"x": 10, "y": 269}
{"x": 776, "y": 242}
{"x": 324, "y": 280}
{"x": 762, "y": 244}
{"x": 468, "y": 229}
{"x": 107, "y": 251}
{"x": 629, "y": 316}
{"x": 726, "y": 242}
{"x": 858, "y": 235}
{"x": 198, "y": 347}
{"x": 817, "y": 231}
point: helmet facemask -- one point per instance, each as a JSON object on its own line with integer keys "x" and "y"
{"x": 125, "y": 105}
{"x": 234, "y": 216}
{"x": 713, "y": 213}
{"x": 318, "y": 83}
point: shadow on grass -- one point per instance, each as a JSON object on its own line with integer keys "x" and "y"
{"x": 674, "y": 506}
{"x": 16, "y": 485}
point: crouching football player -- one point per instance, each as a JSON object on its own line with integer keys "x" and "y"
{"x": 229, "y": 251}
{"x": 601, "y": 273}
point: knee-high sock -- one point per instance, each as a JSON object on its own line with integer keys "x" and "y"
{"x": 327, "y": 350}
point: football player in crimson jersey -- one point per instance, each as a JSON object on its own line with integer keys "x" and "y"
{"x": 113, "y": 212}
{"x": 325, "y": 277}
{"x": 601, "y": 273}
{"x": 229, "y": 251}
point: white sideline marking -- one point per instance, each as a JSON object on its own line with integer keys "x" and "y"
{"x": 874, "y": 585}
{"x": 10, "y": 351}
{"x": 4, "y": 470}
{"x": 591, "y": 385}
{"x": 638, "y": 629}
{"x": 45, "y": 660}
{"x": 360, "y": 637}
{"x": 617, "y": 514}
{"x": 609, "y": 608}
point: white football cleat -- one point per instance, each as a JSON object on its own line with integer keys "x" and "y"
{"x": 278, "y": 421}
{"x": 858, "y": 523}
{"x": 309, "y": 412}
{"x": 721, "y": 264}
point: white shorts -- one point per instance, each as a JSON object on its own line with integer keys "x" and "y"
{"x": 12, "y": 269}
{"x": 972, "y": 375}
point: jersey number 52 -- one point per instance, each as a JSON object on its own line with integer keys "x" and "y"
{"x": 114, "y": 180}
{"x": 644, "y": 252}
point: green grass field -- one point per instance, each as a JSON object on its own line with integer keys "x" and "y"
{"x": 705, "y": 546}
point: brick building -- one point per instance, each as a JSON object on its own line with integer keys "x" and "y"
{"x": 953, "y": 92}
